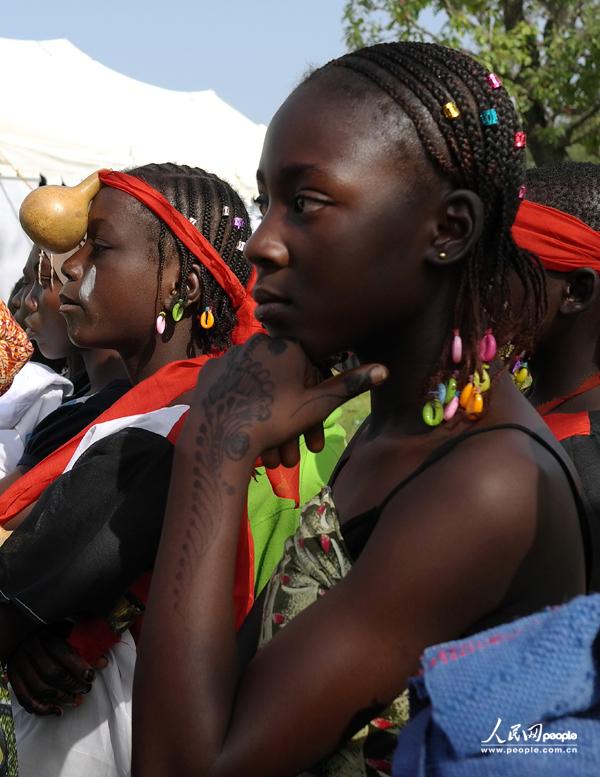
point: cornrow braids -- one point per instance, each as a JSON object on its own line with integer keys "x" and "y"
{"x": 220, "y": 214}
{"x": 573, "y": 187}
{"x": 420, "y": 79}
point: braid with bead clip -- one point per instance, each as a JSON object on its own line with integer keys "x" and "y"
{"x": 219, "y": 213}
{"x": 470, "y": 132}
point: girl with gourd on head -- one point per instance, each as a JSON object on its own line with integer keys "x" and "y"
{"x": 388, "y": 183}
{"x": 161, "y": 278}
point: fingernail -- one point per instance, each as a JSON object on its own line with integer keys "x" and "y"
{"x": 56, "y": 711}
{"x": 378, "y": 374}
{"x": 88, "y": 675}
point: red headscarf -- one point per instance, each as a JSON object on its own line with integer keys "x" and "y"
{"x": 562, "y": 242}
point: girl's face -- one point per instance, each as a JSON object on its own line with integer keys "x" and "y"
{"x": 110, "y": 298}
{"x": 40, "y": 305}
{"x": 346, "y": 224}
{"x": 16, "y": 303}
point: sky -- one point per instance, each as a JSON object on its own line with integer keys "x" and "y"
{"x": 251, "y": 52}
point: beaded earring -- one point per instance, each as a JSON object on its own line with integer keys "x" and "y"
{"x": 447, "y": 398}
{"x": 522, "y": 377}
{"x": 520, "y": 373}
{"x": 161, "y": 322}
{"x": 456, "y": 347}
{"x": 177, "y": 310}
{"x": 206, "y": 318}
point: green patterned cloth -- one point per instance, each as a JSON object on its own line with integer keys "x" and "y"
{"x": 273, "y": 519}
{"x": 8, "y": 745}
{"x": 315, "y": 559}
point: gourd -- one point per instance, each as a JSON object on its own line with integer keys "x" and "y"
{"x": 56, "y": 217}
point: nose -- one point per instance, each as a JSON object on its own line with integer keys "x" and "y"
{"x": 266, "y": 246}
{"x": 73, "y": 266}
{"x": 17, "y": 298}
{"x": 16, "y": 304}
{"x": 30, "y": 300}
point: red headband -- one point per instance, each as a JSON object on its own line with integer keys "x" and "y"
{"x": 194, "y": 240}
{"x": 562, "y": 242}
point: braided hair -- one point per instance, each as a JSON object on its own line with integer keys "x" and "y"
{"x": 420, "y": 79}
{"x": 220, "y": 215}
{"x": 573, "y": 187}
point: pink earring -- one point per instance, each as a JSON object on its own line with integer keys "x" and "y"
{"x": 456, "y": 347}
{"x": 487, "y": 346}
{"x": 161, "y": 322}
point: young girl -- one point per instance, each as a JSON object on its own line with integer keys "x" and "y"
{"x": 98, "y": 374}
{"x": 160, "y": 277}
{"x": 389, "y": 181}
{"x": 559, "y": 221}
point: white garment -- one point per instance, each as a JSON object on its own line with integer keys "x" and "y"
{"x": 93, "y": 740}
{"x": 35, "y": 393}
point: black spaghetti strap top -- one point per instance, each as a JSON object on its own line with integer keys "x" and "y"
{"x": 357, "y": 530}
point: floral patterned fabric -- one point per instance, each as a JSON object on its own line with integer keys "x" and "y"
{"x": 15, "y": 348}
{"x": 315, "y": 559}
{"x": 8, "y": 746}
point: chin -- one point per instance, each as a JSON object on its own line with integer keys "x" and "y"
{"x": 79, "y": 337}
{"x": 50, "y": 353}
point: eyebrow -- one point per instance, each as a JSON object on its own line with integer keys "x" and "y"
{"x": 296, "y": 169}
{"x": 105, "y": 226}
{"x": 100, "y": 222}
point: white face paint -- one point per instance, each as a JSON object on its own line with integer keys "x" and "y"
{"x": 87, "y": 285}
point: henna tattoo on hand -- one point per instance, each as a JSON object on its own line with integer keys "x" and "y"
{"x": 277, "y": 346}
{"x": 356, "y": 384}
{"x": 242, "y": 396}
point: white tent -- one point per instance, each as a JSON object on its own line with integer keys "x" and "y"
{"x": 64, "y": 115}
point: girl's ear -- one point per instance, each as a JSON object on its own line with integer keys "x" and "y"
{"x": 194, "y": 285}
{"x": 581, "y": 290}
{"x": 459, "y": 227}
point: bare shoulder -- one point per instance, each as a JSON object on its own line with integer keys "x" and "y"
{"x": 500, "y": 474}
{"x": 463, "y": 531}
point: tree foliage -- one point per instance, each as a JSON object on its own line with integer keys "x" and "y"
{"x": 547, "y": 53}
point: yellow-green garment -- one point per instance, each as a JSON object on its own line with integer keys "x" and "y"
{"x": 273, "y": 520}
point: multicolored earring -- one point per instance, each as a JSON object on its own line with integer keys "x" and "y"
{"x": 161, "y": 322}
{"x": 206, "y": 318}
{"x": 177, "y": 310}
{"x": 520, "y": 373}
{"x": 447, "y": 398}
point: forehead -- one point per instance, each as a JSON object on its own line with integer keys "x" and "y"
{"x": 344, "y": 132}
{"x": 32, "y": 258}
{"x": 122, "y": 215}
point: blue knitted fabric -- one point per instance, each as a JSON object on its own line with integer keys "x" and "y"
{"x": 539, "y": 669}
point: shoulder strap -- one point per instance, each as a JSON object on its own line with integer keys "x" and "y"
{"x": 342, "y": 461}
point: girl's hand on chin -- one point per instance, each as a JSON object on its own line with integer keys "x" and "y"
{"x": 259, "y": 397}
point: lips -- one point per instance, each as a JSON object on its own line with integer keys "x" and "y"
{"x": 67, "y": 303}
{"x": 264, "y": 296}
{"x": 272, "y": 307}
